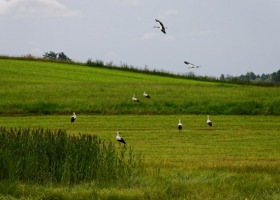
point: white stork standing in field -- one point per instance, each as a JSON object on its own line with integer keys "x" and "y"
{"x": 135, "y": 99}
{"x": 119, "y": 138}
{"x": 209, "y": 121}
{"x": 191, "y": 65}
{"x": 73, "y": 117}
{"x": 146, "y": 95}
{"x": 180, "y": 126}
{"x": 161, "y": 26}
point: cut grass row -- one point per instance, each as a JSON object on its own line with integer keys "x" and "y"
{"x": 35, "y": 87}
{"x": 242, "y": 137}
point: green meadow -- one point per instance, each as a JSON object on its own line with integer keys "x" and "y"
{"x": 35, "y": 87}
{"x": 237, "y": 158}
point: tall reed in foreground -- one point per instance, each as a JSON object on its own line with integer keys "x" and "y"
{"x": 45, "y": 156}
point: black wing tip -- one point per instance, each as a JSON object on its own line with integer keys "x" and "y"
{"x": 122, "y": 141}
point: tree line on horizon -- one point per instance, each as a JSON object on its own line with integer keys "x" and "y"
{"x": 252, "y": 77}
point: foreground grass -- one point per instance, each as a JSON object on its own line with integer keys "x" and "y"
{"x": 36, "y": 87}
{"x": 237, "y": 158}
{"x": 45, "y": 156}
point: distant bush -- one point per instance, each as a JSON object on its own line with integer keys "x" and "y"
{"x": 44, "y": 156}
{"x": 99, "y": 63}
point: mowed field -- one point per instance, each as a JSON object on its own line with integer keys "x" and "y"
{"x": 237, "y": 158}
{"x": 233, "y": 141}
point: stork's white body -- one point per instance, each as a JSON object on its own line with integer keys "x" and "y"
{"x": 146, "y": 95}
{"x": 180, "y": 125}
{"x": 135, "y": 99}
{"x": 119, "y": 138}
{"x": 73, "y": 117}
{"x": 208, "y": 121}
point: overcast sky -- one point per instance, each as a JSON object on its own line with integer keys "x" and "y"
{"x": 223, "y": 36}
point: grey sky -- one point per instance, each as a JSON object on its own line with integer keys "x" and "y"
{"x": 223, "y": 36}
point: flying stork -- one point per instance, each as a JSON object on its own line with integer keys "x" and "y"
{"x": 180, "y": 126}
{"x": 209, "y": 121}
{"x": 146, "y": 95}
{"x": 191, "y": 65}
{"x": 161, "y": 26}
{"x": 119, "y": 138}
{"x": 135, "y": 99}
{"x": 73, "y": 117}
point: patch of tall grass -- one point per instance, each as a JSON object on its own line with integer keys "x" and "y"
{"x": 45, "y": 156}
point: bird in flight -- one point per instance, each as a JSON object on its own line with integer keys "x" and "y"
{"x": 191, "y": 65}
{"x": 160, "y": 26}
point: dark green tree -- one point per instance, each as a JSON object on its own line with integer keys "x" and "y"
{"x": 276, "y": 76}
{"x": 53, "y": 55}
{"x": 50, "y": 55}
{"x": 62, "y": 56}
{"x": 222, "y": 77}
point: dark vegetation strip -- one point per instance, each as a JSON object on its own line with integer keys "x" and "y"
{"x": 45, "y": 156}
{"x": 157, "y": 108}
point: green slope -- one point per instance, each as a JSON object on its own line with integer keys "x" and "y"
{"x": 37, "y": 87}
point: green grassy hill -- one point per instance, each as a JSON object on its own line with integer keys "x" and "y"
{"x": 39, "y": 87}
{"x": 237, "y": 158}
